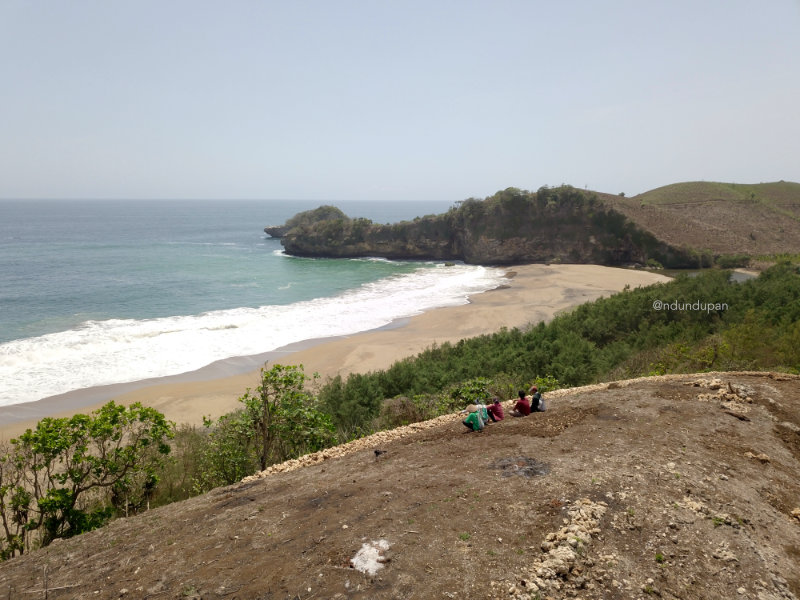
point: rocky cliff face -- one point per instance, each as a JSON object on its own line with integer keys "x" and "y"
{"x": 511, "y": 227}
{"x": 276, "y": 231}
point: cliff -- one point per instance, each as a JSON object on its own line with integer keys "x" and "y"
{"x": 512, "y": 227}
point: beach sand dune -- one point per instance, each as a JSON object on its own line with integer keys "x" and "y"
{"x": 533, "y": 293}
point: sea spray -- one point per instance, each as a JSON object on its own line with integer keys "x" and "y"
{"x": 101, "y": 352}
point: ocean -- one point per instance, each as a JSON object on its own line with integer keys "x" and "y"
{"x": 102, "y": 292}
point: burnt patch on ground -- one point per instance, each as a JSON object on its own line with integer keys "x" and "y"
{"x": 521, "y": 466}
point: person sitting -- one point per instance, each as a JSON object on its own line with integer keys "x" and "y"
{"x": 473, "y": 421}
{"x": 537, "y": 403}
{"x": 523, "y": 406}
{"x": 495, "y": 410}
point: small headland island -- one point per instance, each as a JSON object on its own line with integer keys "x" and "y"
{"x": 679, "y": 226}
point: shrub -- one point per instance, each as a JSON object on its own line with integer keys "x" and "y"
{"x": 403, "y": 410}
{"x": 733, "y": 261}
{"x": 52, "y": 476}
{"x": 228, "y": 453}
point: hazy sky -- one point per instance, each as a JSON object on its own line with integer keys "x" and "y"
{"x": 370, "y": 99}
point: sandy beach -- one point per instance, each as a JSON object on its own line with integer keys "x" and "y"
{"x": 533, "y": 293}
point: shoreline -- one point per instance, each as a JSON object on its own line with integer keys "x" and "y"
{"x": 74, "y": 400}
{"x": 533, "y": 293}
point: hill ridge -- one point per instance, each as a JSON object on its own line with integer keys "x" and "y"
{"x": 626, "y": 489}
{"x": 719, "y": 218}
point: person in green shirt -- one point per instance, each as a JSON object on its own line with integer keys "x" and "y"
{"x": 473, "y": 420}
{"x": 483, "y": 413}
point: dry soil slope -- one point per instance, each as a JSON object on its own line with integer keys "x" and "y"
{"x": 723, "y": 218}
{"x": 670, "y": 487}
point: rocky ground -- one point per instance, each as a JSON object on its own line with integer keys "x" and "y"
{"x": 669, "y": 487}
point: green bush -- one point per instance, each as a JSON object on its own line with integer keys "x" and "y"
{"x": 733, "y": 261}
{"x": 52, "y": 477}
{"x": 229, "y": 453}
{"x": 279, "y": 420}
{"x": 396, "y": 412}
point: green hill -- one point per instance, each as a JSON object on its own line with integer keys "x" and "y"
{"x": 775, "y": 194}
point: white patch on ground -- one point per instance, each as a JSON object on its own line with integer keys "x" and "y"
{"x": 371, "y": 557}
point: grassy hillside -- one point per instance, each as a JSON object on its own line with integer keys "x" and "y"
{"x": 777, "y": 193}
{"x": 719, "y": 218}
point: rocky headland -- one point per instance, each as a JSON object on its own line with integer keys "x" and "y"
{"x": 681, "y": 226}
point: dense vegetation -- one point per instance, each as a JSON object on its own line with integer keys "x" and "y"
{"x": 68, "y": 476}
{"x": 751, "y": 325}
{"x": 71, "y": 475}
{"x": 280, "y": 420}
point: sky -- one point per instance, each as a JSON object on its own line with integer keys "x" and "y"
{"x": 405, "y": 100}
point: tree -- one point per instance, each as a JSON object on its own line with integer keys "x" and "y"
{"x": 227, "y": 454}
{"x": 48, "y": 473}
{"x": 285, "y": 417}
{"x": 278, "y": 421}
{"x": 354, "y": 402}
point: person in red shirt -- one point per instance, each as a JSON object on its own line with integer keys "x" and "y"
{"x": 495, "y": 410}
{"x": 523, "y": 406}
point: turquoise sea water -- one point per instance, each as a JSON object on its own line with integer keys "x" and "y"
{"x": 99, "y": 292}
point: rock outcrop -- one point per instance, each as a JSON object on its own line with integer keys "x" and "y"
{"x": 304, "y": 219}
{"x": 276, "y": 231}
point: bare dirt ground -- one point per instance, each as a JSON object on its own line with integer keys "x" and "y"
{"x": 673, "y": 487}
{"x": 720, "y": 226}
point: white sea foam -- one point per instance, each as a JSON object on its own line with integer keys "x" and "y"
{"x": 118, "y": 351}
